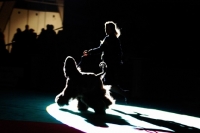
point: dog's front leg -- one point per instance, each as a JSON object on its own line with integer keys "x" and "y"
{"x": 97, "y": 104}
{"x": 64, "y": 97}
{"x": 81, "y": 105}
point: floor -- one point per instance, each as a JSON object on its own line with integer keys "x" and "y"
{"x": 138, "y": 116}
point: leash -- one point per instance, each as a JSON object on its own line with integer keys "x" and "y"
{"x": 80, "y": 61}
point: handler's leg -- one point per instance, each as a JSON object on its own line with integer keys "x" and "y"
{"x": 124, "y": 93}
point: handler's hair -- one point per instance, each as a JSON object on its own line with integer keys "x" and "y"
{"x": 113, "y": 27}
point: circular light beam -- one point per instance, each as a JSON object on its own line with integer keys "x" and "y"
{"x": 121, "y": 118}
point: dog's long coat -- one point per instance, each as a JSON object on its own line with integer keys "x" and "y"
{"x": 86, "y": 87}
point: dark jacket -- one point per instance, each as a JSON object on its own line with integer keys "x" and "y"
{"x": 111, "y": 50}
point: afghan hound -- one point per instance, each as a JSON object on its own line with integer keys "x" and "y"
{"x": 86, "y": 87}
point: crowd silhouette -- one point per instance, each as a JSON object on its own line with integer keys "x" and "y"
{"x": 26, "y": 43}
{"x": 35, "y": 54}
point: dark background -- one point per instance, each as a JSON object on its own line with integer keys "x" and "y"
{"x": 159, "y": 40}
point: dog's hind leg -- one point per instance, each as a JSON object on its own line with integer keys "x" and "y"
{"x": 107, "y": 102}
{"x": 100, "y": 107}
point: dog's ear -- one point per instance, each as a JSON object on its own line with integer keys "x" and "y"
{"x": 70, "y": 67}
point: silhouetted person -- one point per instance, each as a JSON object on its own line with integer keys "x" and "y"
{"x": 26, "y": 33}
{"x": 48, "y": 56}
{"x": 17, "y": 42}
{"x": 50, "y": 33}
{"x": 111, "y": 53}
{"x": 41, "y": 40}
{"x": 48, "y": 40}
{"x": 32, "y": 44}
{"x": 41, "y": 35}
{"x": 26, "y": 40}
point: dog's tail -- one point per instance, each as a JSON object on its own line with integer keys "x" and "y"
{"x": 104, "y": 68}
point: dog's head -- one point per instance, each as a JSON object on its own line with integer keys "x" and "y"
{"x": 70, "y": 67}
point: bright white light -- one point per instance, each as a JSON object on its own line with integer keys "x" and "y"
{"x": 130, "y": 118}
{"x": 162, "y": 115}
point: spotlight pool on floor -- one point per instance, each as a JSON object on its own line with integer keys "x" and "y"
{"x": 120, "y": 119}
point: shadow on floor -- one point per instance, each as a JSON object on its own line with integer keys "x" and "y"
{"x": 99, "y": 120}
{"x": 177, "y": 127}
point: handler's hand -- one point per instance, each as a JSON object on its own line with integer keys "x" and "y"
{"x": 85, "y": 53}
